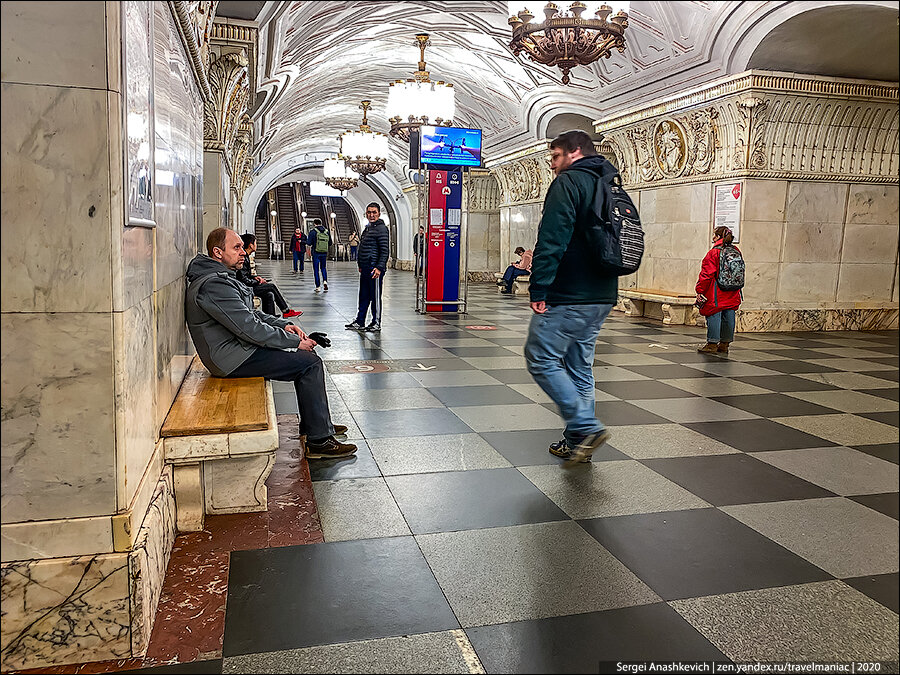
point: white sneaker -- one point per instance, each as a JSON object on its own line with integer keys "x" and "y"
{"x": 318, "y": 290}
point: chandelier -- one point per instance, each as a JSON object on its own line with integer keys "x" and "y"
{"x": 418, "y": 100}
{"x": 365, "y": 151}
{"x": 564, "y": 39}
{"x": 339, "y": 176}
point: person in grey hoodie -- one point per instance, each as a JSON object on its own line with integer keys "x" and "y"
{"x": 235, "y": 340}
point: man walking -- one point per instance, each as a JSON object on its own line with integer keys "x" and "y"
{"x": 419, "y": 250}
{"x": 570, "y": 298}
{"x": 235, "y": 340}
{"x": 374, "y": 247}
{"x": 319, "y": 241}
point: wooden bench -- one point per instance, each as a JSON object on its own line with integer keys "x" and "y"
{"x": 220, "y": 437}
{"x": 519, "y": 285}
{"x": 674, "y": 308}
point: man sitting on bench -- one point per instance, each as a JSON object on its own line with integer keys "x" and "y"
{"x": 267, "y": 292}
{"x": 235, "y": 340}
{"x": 520, "y": 268}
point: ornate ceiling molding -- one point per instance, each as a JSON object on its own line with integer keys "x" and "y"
{"x": 230, "y": 94}
{"x": 194, "y": 21}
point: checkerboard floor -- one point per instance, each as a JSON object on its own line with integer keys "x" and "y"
{"x": 745, "y": 508}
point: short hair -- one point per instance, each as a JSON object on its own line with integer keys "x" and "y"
{"x": 570, "y": 141}
{"x": 375, "y": 204}
{"x": 248, "y": 239}
{"x": 421, "y": 227}
{"x": 216, "y": 239}
{"x": 519, "y": 250}
{"x": 317, "y": 221}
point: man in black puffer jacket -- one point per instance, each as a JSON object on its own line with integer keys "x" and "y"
{"x": 374, "y": 247}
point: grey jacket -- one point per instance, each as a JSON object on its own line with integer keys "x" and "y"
{"x": 223, "y": 324}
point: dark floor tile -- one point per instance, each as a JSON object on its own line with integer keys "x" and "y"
{"x": 601, "y": 348}
{"x": 723, "y": 480}
{"x": 886, "y": 375}
{"x": 887, "y": 503}
{"x": 299, "y": 596}
{"x": 673, "y": 372}
{"x": 801, "y": 354}
{"x": 621, "y": 339}
{"x": 491, "y": 394}
{"x": 436, "y": 364}
{"x": 470, "y": 500}
{"x": 688, "y": 357}
{"x": 891, "y": 417}
{"x": 507, "y": 341}
{"x": 886, "y": 361}
{"x": 512, "y": 376}
{"x": 480, "y": 351}
{"x": 420, "y": 422}
{"x": 887, "y": 451}
{"x": 198, "y": 667}
{"x": 389, "y": 380}
{"x": 883, "y": 348}
{"x": 638, "y": 390}
{"x": 285, "y": 403}
{"x": 529, "y": 448}
{"x": 579, "y": 643}
{"x": 791, "y": 367}
{"x": 881, "y": 588}
{"x": 774, "y": 405}
{"x": 758, "y": 435}
{"x": 687, "y": 554}
{"x": 360, "y": 465}
{"x": 782, "y": 383}
{"x": 622, "y": 413}
{"x": 890, "y": 393}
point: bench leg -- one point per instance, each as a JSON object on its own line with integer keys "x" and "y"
{"x": 620, "y": 305}
{"x": 237, "y": 484}
{"x": 698, "y": 319}
{"x": 189, "y": 497}
{"x": 677, "y": 314}
{"x": 634, "y": 307}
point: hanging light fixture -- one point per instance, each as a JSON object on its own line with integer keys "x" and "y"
{"x": 365, "y": 151}
{"x": 564, "y": 39}
{"x": 418, "y": 100}
{"x": 338, "y": 175}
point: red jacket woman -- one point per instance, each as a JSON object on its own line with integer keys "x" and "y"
{"x": 715, "y": 304}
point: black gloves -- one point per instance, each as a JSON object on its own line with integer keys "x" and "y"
{"x": 320, "y": 338}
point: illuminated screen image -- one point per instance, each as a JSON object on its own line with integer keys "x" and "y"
{"x": 451, "y": 146}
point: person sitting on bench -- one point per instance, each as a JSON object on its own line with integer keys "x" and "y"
{"x": 520, "y": 268}
{"x": 267, "y": 292}
{"x": 235, "y": 340}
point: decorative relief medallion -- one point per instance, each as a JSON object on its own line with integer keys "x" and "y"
{"x": 670, "y": 147}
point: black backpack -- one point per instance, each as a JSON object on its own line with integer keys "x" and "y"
{"x": 614, "y": 232}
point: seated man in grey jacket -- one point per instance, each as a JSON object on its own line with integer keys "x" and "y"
{"x": 235, "y": 340}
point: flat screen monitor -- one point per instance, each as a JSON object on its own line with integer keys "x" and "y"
{"x": 451, "y": 146}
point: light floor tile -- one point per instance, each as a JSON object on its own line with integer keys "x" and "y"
{"x": 503, "y": 574}
{"x": 361, "y": 508}
{"x": 634, "y": 359}
{"x": 842, "y": 537}
{"x": 715, "y": 386}
{"x": 665, "y": 440}
{"x": 389, "y": 399}
{"x": 847, "y": 400}
{"x": 693, "y": 409}
{"x": 616, "y": 374}
{"x": 454, "y": 378}
{"x": 751, "y": 355}
{"x": 825, "y": 622}
{"x": 427, "y": 454}
{"x": 495, "y": 362}
{"x": 851, "y": 353}
{"x": 536, "y": 394}
{"x": 508, "y": 417}
{"x": 851, "y": 365}
{"x": 843, "y": 471}
{"x": 843, "y": 429}
{"x": 616, "y": 488}
{"x": 846, "y": 380}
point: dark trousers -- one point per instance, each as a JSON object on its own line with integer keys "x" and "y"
{"x": 307, "y": 372}
{"x": 298, "y": 258}
{"x": 353, "y": 252}
{"x": 369, "y": 294}
{"x": 510, "y": 275}
{"x": 269, "y": 296}
{"x": 318, "y": 260}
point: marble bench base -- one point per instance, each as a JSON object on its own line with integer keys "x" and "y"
{"x": 222, "y": 473}
{"x": 673, "y": 310}
{"x": 519, "y": 286}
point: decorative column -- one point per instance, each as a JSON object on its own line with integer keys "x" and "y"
{"x": 483, "y": 226}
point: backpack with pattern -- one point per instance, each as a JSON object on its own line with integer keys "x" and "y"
{"x": 730, "y": 276}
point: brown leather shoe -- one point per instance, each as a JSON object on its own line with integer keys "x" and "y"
{"x": 723, "y": 347}
{"x": 709, "y": 348}
{"x": 340, "y": 429}
{"x": 328, "y": 448}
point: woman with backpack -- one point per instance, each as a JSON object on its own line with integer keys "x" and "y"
{"x": 719, "y": 290}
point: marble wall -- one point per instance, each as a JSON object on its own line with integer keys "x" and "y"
{"x": 94, "y": 344}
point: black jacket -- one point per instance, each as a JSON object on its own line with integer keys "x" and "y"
{"x": 295, "y": 239}
{"x": 419, "y": 244}
{"x": 245, "y": 275}
{"x": 564, "y": 271}
{"x": 374, "y": 246}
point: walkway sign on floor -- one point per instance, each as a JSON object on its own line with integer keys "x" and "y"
{"x": 444, "y": 241}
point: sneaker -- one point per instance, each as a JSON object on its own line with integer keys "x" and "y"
{"x": 318, "y": 290}
{"x": 500, "y": 282}
{"x": 355, "y": 325}
{"x": 587, "y": 446}
{"x": 328, "y": 448}
{"x": 325, "y": 285}
{"x": 561, "y": 449}
{"x": 709, "y": 348}
{"x": 292, "y": 312}
{"x": 373, "y": 327}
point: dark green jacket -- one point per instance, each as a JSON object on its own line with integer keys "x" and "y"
{"x": 564, "y": 271}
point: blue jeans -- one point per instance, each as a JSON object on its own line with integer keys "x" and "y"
{"x": 318, "y": 261}
{"x": 298, "y": 259}
{"x": 510, "y": 275}
{"x": 560, "y": 356}
{"x": 720, "y": 326}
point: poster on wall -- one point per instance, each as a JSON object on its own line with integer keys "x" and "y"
{"x": 138, "y": 61}
{"x": 442, "y": 262}
{"x": 727, "y": 208}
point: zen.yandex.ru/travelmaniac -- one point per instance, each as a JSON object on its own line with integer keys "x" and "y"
{"x": 724, "y": 667}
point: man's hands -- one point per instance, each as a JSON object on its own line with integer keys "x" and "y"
{"x": 376, "y": 273}
{"x": 261, "y": 280}
{"x": 291, "y": 328}
{"x": 539, "y": 307}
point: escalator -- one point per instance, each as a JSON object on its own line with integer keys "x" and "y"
{"x": 288, "y": 217}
